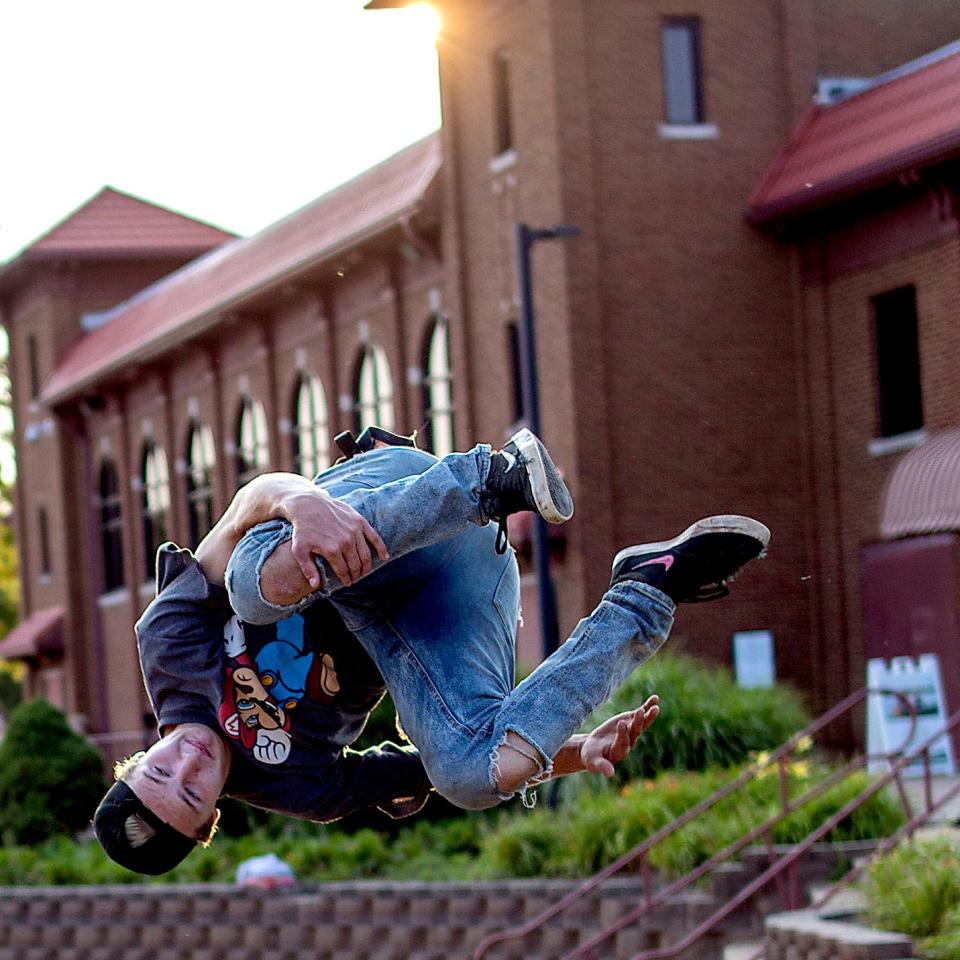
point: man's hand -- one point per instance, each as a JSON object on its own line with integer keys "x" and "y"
{"x": 322, "y": 527}
{"x": 328, "y": 528}
{"x": 609, "y": 743}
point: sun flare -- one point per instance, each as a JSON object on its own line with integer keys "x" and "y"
{"x": 427, "y": 20}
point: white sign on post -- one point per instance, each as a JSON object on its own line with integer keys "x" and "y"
{"x": 753, "y": 661}
{"x": 888, "y": 719}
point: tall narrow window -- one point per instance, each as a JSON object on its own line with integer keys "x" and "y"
{"x": 682, "y": 72}
{"x": 155, "y": 504}
{"x": 502, "y": 115}
{"x": 43, "y": 531}
{"x": 253, "y": 443}
{"x": 201, "y": 459}
{"x": 438, "y": 390}
{"x": 900, "y": 397}
{"x": 515, "y": 366}
{"x": 33, "y": 358}
{"x": 311, "y": 444}
{"x": 374, "y": 390}
{"x": 111, "y": 526}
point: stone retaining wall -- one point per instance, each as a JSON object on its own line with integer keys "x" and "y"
{"x": 349, "y": 921}
{"x": 804, "y": 935}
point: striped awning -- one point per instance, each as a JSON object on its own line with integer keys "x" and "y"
{"x": 923, "y": 492}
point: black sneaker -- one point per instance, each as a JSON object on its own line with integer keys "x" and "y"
{"x": 696, "y": 565}
{"x": 523, "y": 477}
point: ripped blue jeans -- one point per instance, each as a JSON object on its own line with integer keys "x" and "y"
{"x": 439, "y": 619}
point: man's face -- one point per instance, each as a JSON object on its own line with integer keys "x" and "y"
{"x": 180, "y": 777}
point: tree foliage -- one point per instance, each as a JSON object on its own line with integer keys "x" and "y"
{"x": 50, "y": 777}
{"x": 11, "y": 673}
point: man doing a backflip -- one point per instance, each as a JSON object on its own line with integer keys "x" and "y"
{"x": 385, "y": 570}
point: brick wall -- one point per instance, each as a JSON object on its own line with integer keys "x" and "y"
{"x": 355, "y": 921}
{"x": 668, "y": 362}
{"x": 847, "y": 480}
{"x": 666, "y": 391}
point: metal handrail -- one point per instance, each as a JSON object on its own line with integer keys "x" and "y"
{"x": 896, "y": 759}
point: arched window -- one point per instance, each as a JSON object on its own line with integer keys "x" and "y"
{"x": 437, "y": 390}
{"x": 311, "y": 444}
{"x": 374, "y": 390}
{"x": 253, "y": 444}
{"x": 111, "y": 527}
{"x": 201, "y": 459}
{"x": 155, "y": 503}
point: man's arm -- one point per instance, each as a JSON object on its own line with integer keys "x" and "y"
{"x": 595, "y": 752}
{"x": 322, "y": 526}
{"x": 389, "y": 777}
{"x": 606, "y": 745}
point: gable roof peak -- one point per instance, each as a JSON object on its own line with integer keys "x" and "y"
{"x": 114, "y": 223}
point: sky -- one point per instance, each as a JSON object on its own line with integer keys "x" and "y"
{"x": 231, "y": 111}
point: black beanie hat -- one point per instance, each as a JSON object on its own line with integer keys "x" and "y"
{"x": 160, "y": 853}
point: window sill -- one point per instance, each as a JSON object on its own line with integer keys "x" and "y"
{"x": 688, "y": 131}
{"x": 503, "y": 161}
{"x": 113, "y": 599}
{"x": 902, "y": 441}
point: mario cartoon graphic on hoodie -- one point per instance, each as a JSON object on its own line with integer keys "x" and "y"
{"x": 261, "y": 689}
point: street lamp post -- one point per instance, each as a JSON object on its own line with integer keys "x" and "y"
{"x": 526, "y": 237}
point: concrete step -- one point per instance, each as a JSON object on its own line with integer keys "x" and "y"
{"x": 847, "y": 902}
{"x": 744, "y": 950}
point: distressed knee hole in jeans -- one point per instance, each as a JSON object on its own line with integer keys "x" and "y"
{"x": 503, "y": 755}
{"x": 245, "y": 569}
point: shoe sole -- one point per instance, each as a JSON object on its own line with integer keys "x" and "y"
{"x": 550, "y": 493}
{"x": 724, "y": 523}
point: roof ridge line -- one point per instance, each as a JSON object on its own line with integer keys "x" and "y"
{"x": 428, "y": 159}
{"x": 902, "y": 70}
{"x": 344, "y": 184}
{"x": 228, "y": 246}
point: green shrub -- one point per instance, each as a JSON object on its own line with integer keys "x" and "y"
{"x": 51, "y": 779}
{"x": 572, "y": 842}
{"x": 759, "y": 801}
{"x": 705, "y": 719}
{"x": 604, "y": 826}
{"x": 531, "y": 845}
{"x": 880, "y": 816}
{"x": 944, "y": 945}
{"x": 915, "y": 888}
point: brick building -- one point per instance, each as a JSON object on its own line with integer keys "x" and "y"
{"x": 864, "y": 200}
{"x": 681, "y": 369}
{"x": 136, "y": 424}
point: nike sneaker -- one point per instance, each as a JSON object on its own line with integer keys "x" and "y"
{"x": 523, "y": 477}
{"x": 697, "y": 565}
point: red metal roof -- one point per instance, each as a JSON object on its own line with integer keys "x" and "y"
{"x": 923, "y": 492}
{"x": 41, "y": 632}
{"x": 117, "y": 224}
{"x": 194, "y": 298}
{"x": 906, "y": 119}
